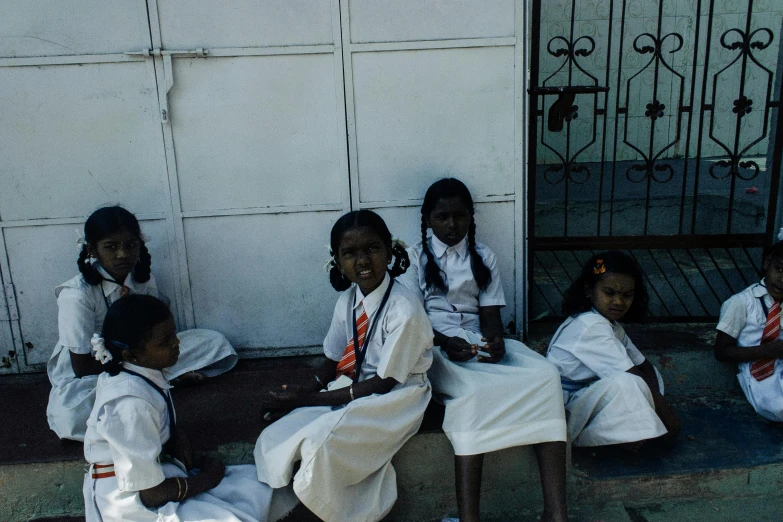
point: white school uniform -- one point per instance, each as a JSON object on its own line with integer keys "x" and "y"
{"x": 346, "y": 451}
{"x": 127, "y": 429}
{"x": 514, "y": 402}
{"x": 743, "y": 318}
{"x": 604, "y": 404}
{"x": 82, "y": 309}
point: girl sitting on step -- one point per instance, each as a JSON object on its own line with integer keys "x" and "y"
{"x": 612, "y": 394}
{"x": 133, "y": 423}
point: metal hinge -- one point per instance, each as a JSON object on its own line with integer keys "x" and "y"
{"x": 168, "y": 71}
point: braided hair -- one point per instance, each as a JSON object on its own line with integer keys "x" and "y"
{"x": 102, "y": 223}
{"x": 576, "y": 301}
{"x": 371, "y": 220}
{"x": 442, "y": 189}
{"x": 128, "y": 325}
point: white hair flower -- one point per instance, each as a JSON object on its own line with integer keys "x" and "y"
{"x": 399, "y": 242}
{"x": 331, "y": 261}
{"x": 101, "y": 353}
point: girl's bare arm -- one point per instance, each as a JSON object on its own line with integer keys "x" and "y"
{"x": 726, "y": 350}
{"x": 85, "y": 364}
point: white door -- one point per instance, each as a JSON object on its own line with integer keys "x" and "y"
{"x": 259, "y": 167}
{"x": 80, "y": 129}
{"x": 435, "y": 89}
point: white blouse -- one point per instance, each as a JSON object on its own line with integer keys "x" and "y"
{"x": 127, "y": 427}
{"x": 589, "y": 346}
{"x": 402, "y": 341}
{"x": 458, "y": 308}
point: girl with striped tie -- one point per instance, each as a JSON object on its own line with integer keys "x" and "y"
{"x": 133, "y": 424}
{"x": 369, "y": 396}
{"x": 113, "y": 262}
{"x": 749, "y": 334}
{"x": 613, "y": 394}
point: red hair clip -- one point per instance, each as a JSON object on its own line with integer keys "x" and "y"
{"x": 599, "y": 267}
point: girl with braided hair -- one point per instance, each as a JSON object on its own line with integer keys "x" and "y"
{"x": 113, "y": 262}
{"x": 497, "y": 392}
{"x": 369, "y": 395}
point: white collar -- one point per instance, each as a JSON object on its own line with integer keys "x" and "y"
{"x": 108, "y": 283}
{"x": 439, "y": 247}
{"x": 372, "y": 300}
{"x": 760, "y": 289}
{"x": 155, "y": 376}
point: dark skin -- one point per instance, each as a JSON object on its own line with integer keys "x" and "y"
{"x": 161, "y": 350}
{"x": 450, "y": 220}
{"x": 362, "y": 257}
{"x": 612, "y": 296}
{"x": 468, "y": 468}
{"x": 726, "y": 348}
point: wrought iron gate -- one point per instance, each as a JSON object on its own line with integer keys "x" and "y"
{"x": 653, "y": 131}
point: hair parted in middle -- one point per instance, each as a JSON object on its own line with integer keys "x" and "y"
{"x": 442, "y": 189}
{"x": 576, "y": 301}
{"x": 128, "y": 325}
{"x": 371, "y": 220}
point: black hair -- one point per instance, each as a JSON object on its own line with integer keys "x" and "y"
{"x": 128, "y": 325}
{"x": 576, "y": 301}
{"x": 442, "y": 189}
{"x": 769, "y": 252}
{"x": 371, "y": 220}
{"x": 106, "y": 221}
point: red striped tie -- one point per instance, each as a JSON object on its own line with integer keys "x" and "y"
{"x": 347, "y": 364}
{"x": 763, "y": 368}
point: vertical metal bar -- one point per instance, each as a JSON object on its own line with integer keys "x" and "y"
{"x": 605, "y": 118}
{"x": 701, "y": 115}
{"x": 692, "y": 105}
{"x": 776, "y": 169}
{"x": 617, "y": 118}
{"x": 532, "y": 171}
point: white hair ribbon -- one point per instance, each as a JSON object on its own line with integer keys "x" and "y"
{"x": 331, "y": 261}
{"x": 101, "y": 353}
{"x": 399, "y": 242}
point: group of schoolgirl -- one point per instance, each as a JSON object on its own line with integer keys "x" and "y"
{"x": 329, "y": 457}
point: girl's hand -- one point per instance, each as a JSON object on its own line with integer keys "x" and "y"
{"x": 183, "y": 451}
{"x": 213, "y": 471}
{"x": 459, "y": 350}
{"x": 496, "y": 348}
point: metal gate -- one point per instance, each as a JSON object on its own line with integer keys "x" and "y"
{"x": 653, "y": 130}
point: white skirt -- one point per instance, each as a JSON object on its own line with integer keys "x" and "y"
{"x": 71, "y": 398}
{"x": 613, "y": 410}
{"x": 514, "y": 402}
{"x": 239, "y": 497}
{"x": 345, "y": 452}
{"x": 765, "y": 396}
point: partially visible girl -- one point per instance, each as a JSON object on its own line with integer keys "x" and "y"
{"x": 113, "y": 262}
{"x": 509, "y": 396}
{"x": 369, "y": 396}
{"x": 133, "y": 422}
{"x": 612, "y": 394}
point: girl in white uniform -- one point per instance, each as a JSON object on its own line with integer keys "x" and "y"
{"x": 749, "y": 334}
{"x": 133, "y": 422}
{"x": 612, "y": 394}
{"x": 344, "y": 437}
{"x": 113, "y": 262}
{"x": 497, "y": 392}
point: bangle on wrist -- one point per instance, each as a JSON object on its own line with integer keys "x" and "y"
{"x": 350, "y": 391}
{"x": 185, "y": 494}
{"x": 319, "y": 381}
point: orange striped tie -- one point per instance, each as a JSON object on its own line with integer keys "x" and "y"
{"x": 347, "y": 364}
{"x": 764, "y": 368}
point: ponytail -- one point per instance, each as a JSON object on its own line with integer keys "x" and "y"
{"x": 432, "y": 271}
{"x": 89, "y": 273}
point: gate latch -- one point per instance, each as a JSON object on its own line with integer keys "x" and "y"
{"x": 563, "y": 108}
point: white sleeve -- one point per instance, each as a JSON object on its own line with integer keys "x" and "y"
{"x": 408, "y": 336}
{"x": 131, "y": 426}
{"x": 336, "y": 341}
{"x": 733, "y": 316}
{"x": 75, "y": 320}
{"x": 599, "y": 349}
{"x": 410, "y": 279}
{"x": 493, "y": 294}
